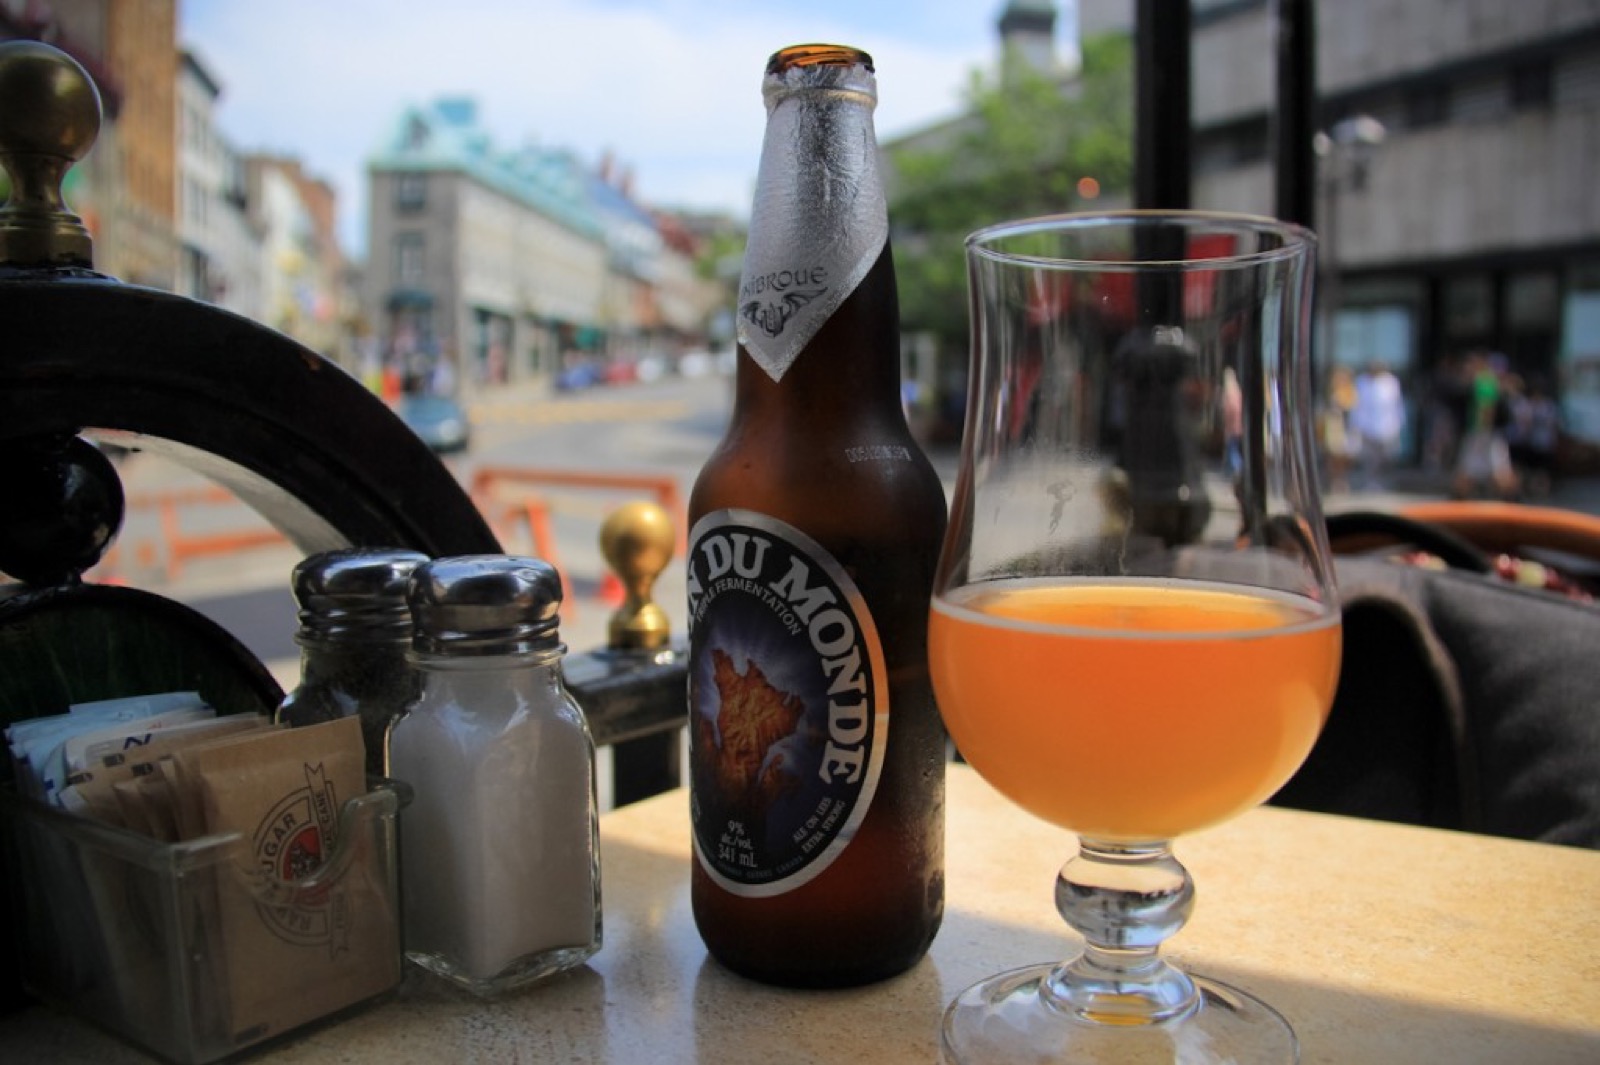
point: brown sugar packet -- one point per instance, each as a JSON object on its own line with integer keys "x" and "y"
{"x": 293, "y": 952}
{"x": 146, "y": 803}
{"x": 134, "y": 808}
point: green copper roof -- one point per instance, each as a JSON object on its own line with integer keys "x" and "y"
{"x": 445, "y": 135}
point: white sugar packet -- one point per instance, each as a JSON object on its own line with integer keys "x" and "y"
{"x": 38, "y": 745}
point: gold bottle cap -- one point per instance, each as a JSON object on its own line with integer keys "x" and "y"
{"x": 800, "y": 55}
{"x": 638, "y": 541}
{"x": 50, "y": 120}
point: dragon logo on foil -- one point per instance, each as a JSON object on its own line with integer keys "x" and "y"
{"x": 771, "y": 318}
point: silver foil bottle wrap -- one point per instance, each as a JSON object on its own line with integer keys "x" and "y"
{"x": 819, "y": 220}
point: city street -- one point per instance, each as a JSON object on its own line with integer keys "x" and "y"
{"x": 663, "y": 429}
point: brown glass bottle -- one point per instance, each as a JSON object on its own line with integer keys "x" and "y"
{"x": 817, "y": 752}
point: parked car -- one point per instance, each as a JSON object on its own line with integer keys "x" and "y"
{"x": 578, "y": 376}
{"x": 439, "y": 420}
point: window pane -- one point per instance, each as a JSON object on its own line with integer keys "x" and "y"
{"x": 409, "y": 258}
{"x": 1468, "y": 307}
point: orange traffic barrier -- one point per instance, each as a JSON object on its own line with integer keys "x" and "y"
{"x": 488, "y": 479}
{"x": 501, "y": 493}
{"x": 172, "y": 544}
{"x": 182, "y": 546}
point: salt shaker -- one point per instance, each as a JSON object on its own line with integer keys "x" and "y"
{"x": 500, "y": 860}
{"x": 355, "y": 629}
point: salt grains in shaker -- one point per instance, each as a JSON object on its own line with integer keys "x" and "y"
{"x": 355, "y": 629}
{"x": 500, "y": 861}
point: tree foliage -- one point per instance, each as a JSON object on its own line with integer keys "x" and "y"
{"x": 1021, "y": 149}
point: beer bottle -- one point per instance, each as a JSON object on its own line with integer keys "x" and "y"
{"x": 816, "y": 750}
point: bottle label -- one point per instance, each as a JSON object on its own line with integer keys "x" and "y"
{"x": 818, "y": 224}
{"x": 788, "y": 704}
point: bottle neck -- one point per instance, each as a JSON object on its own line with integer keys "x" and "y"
{"x": 818, "y": 255}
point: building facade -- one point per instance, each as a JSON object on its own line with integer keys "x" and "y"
{"x": 220, "y": 248}
{"x": 304, "y": 287}
{"x": 141, "y": 48}
{"x": 256, "y": 232}
{"x": 493, "y": 265}
{"x": 1458, "y": 201}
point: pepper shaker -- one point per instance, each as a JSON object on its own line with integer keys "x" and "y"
{"x": 500, "y": 859}
{"x": 355, "y": 628}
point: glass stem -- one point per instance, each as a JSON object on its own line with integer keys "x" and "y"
{"x": 1125, "y": 900}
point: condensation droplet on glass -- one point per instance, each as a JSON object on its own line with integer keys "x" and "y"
{"x": 1062, "y": 492}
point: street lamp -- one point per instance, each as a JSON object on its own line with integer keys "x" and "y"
{"x": 1346, "y": 151}
{"x": 1355, "y": 136}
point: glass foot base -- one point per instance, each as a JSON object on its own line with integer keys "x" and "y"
{"x": 1005, "y": 1021}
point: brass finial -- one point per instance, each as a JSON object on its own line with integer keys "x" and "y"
{"x": 49, "y": 118}
{"x": 638, "y": 540}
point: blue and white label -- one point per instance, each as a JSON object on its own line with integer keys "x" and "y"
{"x": 788, "y": 704}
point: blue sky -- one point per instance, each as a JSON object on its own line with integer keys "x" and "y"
{"x": 670, "y": 87}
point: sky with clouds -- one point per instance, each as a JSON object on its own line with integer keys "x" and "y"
{"x": 671, "y": 88}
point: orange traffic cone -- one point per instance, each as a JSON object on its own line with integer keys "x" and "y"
{"x": 611, "y": 590}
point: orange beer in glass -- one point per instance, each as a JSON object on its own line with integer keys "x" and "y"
{"x": 1046, "y": 684}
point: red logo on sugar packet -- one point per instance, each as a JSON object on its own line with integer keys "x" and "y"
{"x": 291, "y": 843}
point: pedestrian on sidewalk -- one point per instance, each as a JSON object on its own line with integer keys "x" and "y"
{"x": 1532, "y": 435}
{"x": 1484, "y": 461}
{"x": 1445, "y": 414}
{"x": 1338, "y": 440}
{"x": 1378, "y": 422}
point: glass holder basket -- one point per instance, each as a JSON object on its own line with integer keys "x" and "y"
{"x": 189, "y": 950}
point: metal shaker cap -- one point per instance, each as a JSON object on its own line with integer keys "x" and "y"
{"x": 356, "y": 593}
{"x": 486, "y": 605}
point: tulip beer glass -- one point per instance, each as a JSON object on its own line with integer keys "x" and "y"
{"x": 1135, "y": 629}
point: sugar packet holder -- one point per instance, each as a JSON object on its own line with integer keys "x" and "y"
{"x": 122, "y": 930}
